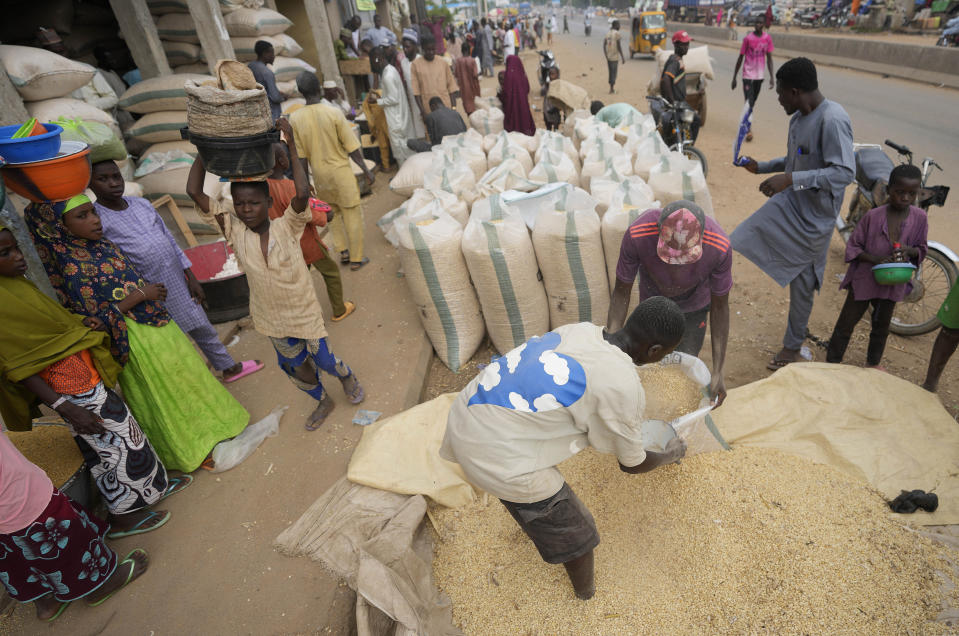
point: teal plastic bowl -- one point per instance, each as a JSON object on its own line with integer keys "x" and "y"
{"x": 893, "y": 273}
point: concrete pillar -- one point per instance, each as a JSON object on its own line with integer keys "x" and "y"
{"x": 140, "y": 33}
{"x": 323, "y": 38}
{"x": 12, "y": 110}
{"x": 211, "y": 30}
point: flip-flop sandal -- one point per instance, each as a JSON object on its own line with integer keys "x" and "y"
{"x": 133, "y": 566}
{"x": 139, "y": 529}
{"x": 345, "y": 257}
{"x": 246, "y": 368}
{"x": 350, "y": 308}
{"x": 358, "y": 264}
{"x": 59, "y": 612}
{"x": 176, "y": 484}
{"x": 208, "y": 464}
{"x": 358, "y": 394}
{"x": 776, "y": 364}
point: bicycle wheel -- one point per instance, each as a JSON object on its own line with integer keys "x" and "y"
{"x": 917, "y": 313}
{"x": 691, "y": 152}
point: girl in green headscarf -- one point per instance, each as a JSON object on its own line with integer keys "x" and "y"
{"x": 50, "y": 355}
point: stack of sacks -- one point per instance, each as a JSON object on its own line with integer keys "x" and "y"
{"x": 508, "y": 175}
{"x": 411, "y": 174}
{"x": 423, "y": 201}
{"x": 452, "y": 176}
{"x": 487, "y": 121}
{"x": 506, "y": 147}
{"x": 529, "y": 143}
{"x": 648, "y": 151}
{"x": 554, "y": 141}
{"x": 604, "y": 159}
{"x": 435, "y": 270}
{"x": 162, "y": 103}
{"x": 569, "y": 248}
{"x": 488, "y": 103}
{"x": 472, "y": 156}
{"x": 553, "y": 167}
{"x": 161, "y": 173}
{"x": 632, "y": 188}
{"x": 678, "y": 177}
{"x": 45, "y": 81}
{"x": 502, "y": 264}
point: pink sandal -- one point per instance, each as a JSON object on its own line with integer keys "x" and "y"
{"x": 247, "y": 367}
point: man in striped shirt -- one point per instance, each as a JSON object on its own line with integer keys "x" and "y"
{"x": 681, "y": 254}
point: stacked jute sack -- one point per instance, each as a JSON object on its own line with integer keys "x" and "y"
{"x": 246, "y": 22}
{"x": 547, "y": 214}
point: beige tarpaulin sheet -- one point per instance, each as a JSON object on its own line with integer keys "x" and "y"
{"x": 881, "y": 428}
{"x": 572, "y": 96}
{"x": 402, "y": 454}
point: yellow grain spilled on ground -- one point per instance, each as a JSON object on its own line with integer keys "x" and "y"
{"x": 51, "y": 448}
{"x": 669, "y": 392}
{"x": 747, "y": 541}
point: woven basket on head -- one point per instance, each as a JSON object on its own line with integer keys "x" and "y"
{"x": 214, "y": 112}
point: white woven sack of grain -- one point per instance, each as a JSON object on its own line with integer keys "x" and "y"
{"x": 410, "y": 175}
{"x": 54, "y": 109}
{"x": 648, "y": 152}
{"x": 509, "y": 175}
{"x": 177, "y": 27}
{"x": 557, "y": 142}
{"x": 600, "y": 147}
{"x": 251, "y": 23}
{"x": 180, "y": 53}
{"x": 695, "y": 428}
{"x": 168, "y": 146}
{"x": 161, "y": 7}
{"x": 486, "y": 103}
{"x": 387, "y": 224}
{"x": 502, "y": 264}
{"x": 697, "y": 60}
{"x": 569, "y": 126}
{"x": 569, "y": 249}
{"x": 632, "y": 189}
{"x": 165, "y": 93}
{"x": 635, "y": 137}
{"x": 474, "y": 157}
{"x": 289, "y": 89}
{"x": 487, "y": 121}
{"x": 634, "y": 133}
{"x": 548, "y": 197}
{"x": 38, "y": 74}
{"x": 505, "y": 148}
{"x": 226, "y": 6}
{"x": 592, "y": 127}
{"x": 552, "y": 167}
{"x": 614, "y": 225}
{"x": 161, "y": 126}
{"x": 173, "y": 182}
{"x": 469, "y": 139}
{"x": 289, "y": 46}
{"x": 529, "y": 143}
{"x": 287, "y": 68}
{"x": 611, "y": 169}
{"x": 677, "y": 177}
{"x": 244, "y": 47}
{"x": 198, "y": 68}
{"x": 452, "y": 176}
{"x": 445, "y": 201}
{"x": 432, "y": 258}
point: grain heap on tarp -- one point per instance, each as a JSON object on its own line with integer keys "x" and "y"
{"x": 440, "y": 286}
{"x": 52, "y": 448}
{"x": 502, "y": 264}
{"x": 748, "y": 541}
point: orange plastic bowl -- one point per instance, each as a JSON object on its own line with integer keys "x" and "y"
{"x": 55, "y": 179}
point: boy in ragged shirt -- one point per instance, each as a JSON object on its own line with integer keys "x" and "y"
{"x": 283, "y": 302}
{"x": 872, "y": 242}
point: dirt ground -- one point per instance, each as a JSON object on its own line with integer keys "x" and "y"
{"x": 213, "y": 567}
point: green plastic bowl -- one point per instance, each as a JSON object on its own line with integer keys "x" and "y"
{"x": 893, "y": 273}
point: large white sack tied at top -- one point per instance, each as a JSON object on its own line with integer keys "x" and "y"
{"x": 626, "y": 205}
{"x": 423, "y": 201}
{"x": 506, "y": 148}
{"x": 470, "y": 138}
{"x": 569, "y": 249}
{"x": 599, "y": 147}
{"x": 487, "y": 122}
{"x": 474, "y": 157}
{"x": 591, "y": 128}
{"x": 676, "y": 177}
{"x": 553, "y": 167}
{"x": 509, "y": 175}
{"x": 430, "y": 251}
{"x": 452, "y": 176}
{"x": 550, "y": 140}
{"x": 411, "y": 174}
{"x": 569, "y": 126}
{"x": 644, "y": 126}
{"x": 502, "y": 263}
{"x": 648, "y": 152}
{"x": 611, "y": 169}
{"x": 697, "y": 60}
{"x": 528, "y": 142}
{"x": 632, "y": 188}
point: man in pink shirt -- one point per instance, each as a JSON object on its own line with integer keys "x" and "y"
{"x": 757, "y": 50}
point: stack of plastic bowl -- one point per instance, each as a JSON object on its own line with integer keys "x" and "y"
{"x": 41, "y": 167}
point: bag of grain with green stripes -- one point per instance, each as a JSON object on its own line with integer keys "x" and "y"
{"x": 503, "y": 266}
{"x": 569, "y": 249}
{"x": 560, "y": 143}
{"x": 627, "y": 203}
{"x": 676, "y": 177}
{"x": 506, "y": 147}
{"x": 554, "y": 166}
{"x": 603, "y": 189}
{"x": 439, "y": 282}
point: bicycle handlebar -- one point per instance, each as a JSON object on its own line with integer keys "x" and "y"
{"x": 902, "y": 150}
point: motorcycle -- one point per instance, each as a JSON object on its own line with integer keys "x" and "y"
{"x": 938, "y": 271}
{"x": 679, "y": 137}
{"x": 949, "y": 36}
{"x": 546, "y": 61}
{"x": 588, "y": 27}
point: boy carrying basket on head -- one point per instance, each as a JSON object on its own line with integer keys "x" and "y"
{"x": 283, "y": 302}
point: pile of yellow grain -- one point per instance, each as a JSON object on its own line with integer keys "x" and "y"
{"x": 670, "y": 393}
{"x": 746, "y": 541}
{"x": 52, "y": 448}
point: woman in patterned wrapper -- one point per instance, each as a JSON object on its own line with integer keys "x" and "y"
{"x": 183, "y": 410}
{"x": 51, "y": 355}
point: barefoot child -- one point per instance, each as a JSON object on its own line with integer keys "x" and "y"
{"x": 315, "y": 253}
{"x": 135, "y": 227}
{"x": 283, "y": 302}
{"x": 897, "y": 222}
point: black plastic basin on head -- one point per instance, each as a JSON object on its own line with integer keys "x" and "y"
{"x": 235, "y": 157}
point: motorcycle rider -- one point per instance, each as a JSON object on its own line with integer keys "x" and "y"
{"x": 672, "y": 84}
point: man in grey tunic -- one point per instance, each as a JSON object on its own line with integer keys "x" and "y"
{"x": 788, "y": 237}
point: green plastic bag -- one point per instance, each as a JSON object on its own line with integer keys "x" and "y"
{"x": 103, "y": 142}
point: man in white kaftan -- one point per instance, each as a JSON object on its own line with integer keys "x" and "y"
{"x": 393, "y": 100}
